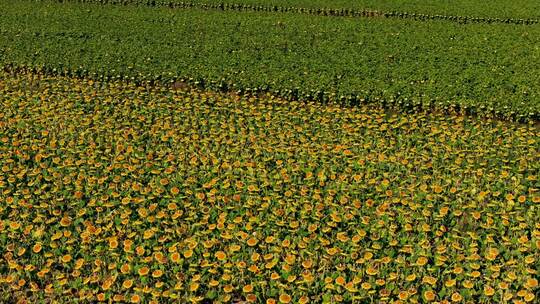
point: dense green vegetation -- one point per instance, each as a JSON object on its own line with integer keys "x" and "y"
{"x": 488, "y": 69}
{"x": 117, "y": 192}
{"x": 525, "y": 9}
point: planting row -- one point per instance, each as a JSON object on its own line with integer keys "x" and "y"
{"x": 321, "y": 11}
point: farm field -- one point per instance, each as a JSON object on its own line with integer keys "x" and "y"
{"x": 157, "y": 153}
{"x": 113, "y": 191}
{"x": 481, "y": 69}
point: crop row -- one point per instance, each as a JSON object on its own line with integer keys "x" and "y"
{"x": 116, "y": 192}
{"x": 343, "y": 12}
{"x": 482, "y": 69}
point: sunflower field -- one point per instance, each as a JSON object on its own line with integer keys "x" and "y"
{"x": 117, "y": 192}
{"x": 276, "y": 151}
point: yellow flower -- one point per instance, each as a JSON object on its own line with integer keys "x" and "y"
{"x": 65, "y": 221}
{"x": 303, "y": 300}
{"x": 200, "y": 196}
{"x": 492, "y": 254}
{"x": 475, "y": 274}
{"x": 251, "y": 298}
{"x": 78, "y": 264}
{"x": 113, "y": 243}
{"x": 403, "y": 295}
{"x": 66, "y": 258}
{"x": 284, "y": 298}
{"x": 175, "y": 257}
{"x": 135, "y": 298}
{"x": 371, "y": 271}
{"x": 248, "y": 288}
{"x": 220, "y": 255}
{"x": 421, "y": 261}
{"x": 107, "y": 284}
{"x": 143, "y": 271}
{"x": 429, "y": 280}
{"x": 411, "y": 277}
{"x": 529, "y": 297}
{"x": 429, "y": 295}
{"x": 531, "y": 283}
{"x": 188, "y": 253}
{"x": 125, "y": 268}
{"x": 488, "y": 290}
{"x": 252, "y": 241}
{"x": 307, "y": 264}
{"x": 366, "y": 286}
{"x": 127, "y": 284}
{"x": 468, "y": 284}
{"x": 456, "y": 297}
{"x": 37, "y": 248}
{"x": 193, "y": 286}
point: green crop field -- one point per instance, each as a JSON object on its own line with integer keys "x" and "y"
{"x": 275, "y": 151}
{"x": 487, "y": 69}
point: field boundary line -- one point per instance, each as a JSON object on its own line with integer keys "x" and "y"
{"x": 328, "y": 12}
{"x": 351, "y": 100}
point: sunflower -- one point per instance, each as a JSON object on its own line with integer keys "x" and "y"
{"x": 531, "y": 283}
{"x": 303, "y": 300}
{"x": 135, "y": 298}
{"x": 371, "y": 271}
{"x": 127, "y": 284}
{"x": 113, "y": 243}
{"x": 488, "y": 290}
{"x": 429, "y": 280}
{"x": 228, "y": 288}
{"x": 175, "y": 257}
{"x": 252, "y": 241}
{"x": 37, "y": 248}
{"x": 188, "y": 253}
{"x": 125, "y": 269}
{"x": 410, "y": 277}
{"x": 421, "y": 261}
{"x": 143, "y": 271}
{"x": 403, "y": 295}
{"x": 247, "y": 288}
{"x": 456, "y": 297}
{"x": 429, "y": 295}
{"x": 307, "y": 264}
{"x": 529, "y": 297}
{"x": 66, "y": 258}
{"x": 284, "y": 298}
